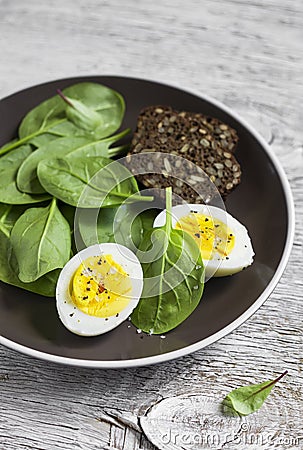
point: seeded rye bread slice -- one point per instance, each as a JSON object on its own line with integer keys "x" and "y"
{"x": 205, "y": 141}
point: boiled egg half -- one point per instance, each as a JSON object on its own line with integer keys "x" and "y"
{"x": 98, "y": 289}
{"x": 223, "y": 241}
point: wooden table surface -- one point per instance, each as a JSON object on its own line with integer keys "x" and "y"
{"x": 249, "y": 56}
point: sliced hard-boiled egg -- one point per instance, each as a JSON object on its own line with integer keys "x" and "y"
{"x": 223, "y": 241}
{"x": 98, "y": 289}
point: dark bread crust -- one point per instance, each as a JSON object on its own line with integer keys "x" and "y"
{"x": 205, "y": 141}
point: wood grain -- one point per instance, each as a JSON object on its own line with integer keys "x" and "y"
{"x": 248, "y": 55}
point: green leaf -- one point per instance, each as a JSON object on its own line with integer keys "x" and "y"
{"x": 42, "y": 140}
{"x": 124, "y": 225}
{"x": 40, "y": 241}
{"x": 69, "y": 213}
{"x": 27, "y": 178}
{"x": 45, "y": 285}
{"x": 9, "y": 166}
{"x": 100, "y": 104}
{"x": 173, "y": 277}
{"x": 89, "y": 182}
{"x": 8, "y": 216}
{"x": 118, "y": 224}
{"x": 50, "y": 116}
{"x": 147, "y": 218}
{"x": 248, "y": 399}
{"x": 81, "y": 115}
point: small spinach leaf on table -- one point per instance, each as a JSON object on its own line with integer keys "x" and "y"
{"x": 173, "y": 277}
{"x": 50, "y": 116}
{"x": 89, "y": 182}
{"x": 9, "y": 166}
{"x": 40, "y": 241}
{"x": 27, "y": 178}
{"x": 248, "y": 399}
{"x": 45, "y": 285}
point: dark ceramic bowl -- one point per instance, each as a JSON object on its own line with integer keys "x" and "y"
{"x": 262, "y": 202}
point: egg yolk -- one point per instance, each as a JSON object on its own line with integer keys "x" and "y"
{"x": 100, "y": 287}
{"x": 212, "y": 235}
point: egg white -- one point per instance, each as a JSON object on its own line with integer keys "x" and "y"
{"x": 242, "y": 253}
{"x": 76, "y": 320}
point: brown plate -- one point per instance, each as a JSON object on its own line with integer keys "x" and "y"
{"x": 262, "y": 202}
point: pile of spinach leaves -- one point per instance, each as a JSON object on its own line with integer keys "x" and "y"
{"x": 62, "y": 144}
{"x": 61, "y": 163}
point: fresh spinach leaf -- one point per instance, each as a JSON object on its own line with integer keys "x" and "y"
{"x": 40, "y": 241}
{"x": 248, "y": 399}
{"x": 173, "y": 277}
{"x": 95, "y": 103}
{"x": 81, "y": 115}
{"x": 27, "y": 178}
{"x": 89, "y": 182}
{"x": 124, "y": 225}
{"x": 43, "y": 139}
{"x": 103, "y": 147}
{"x": 45, "y": 285}
{"x": 8, "y": 216}
{"x": 147, "y": 218}
{"x": 50, "y": 116}
{"x": 119, "y": 224}
{"x": 9, "y": 166}
{"x": 69, "y": 214}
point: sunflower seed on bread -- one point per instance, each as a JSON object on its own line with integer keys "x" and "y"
{"x": 207, "y": 142}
